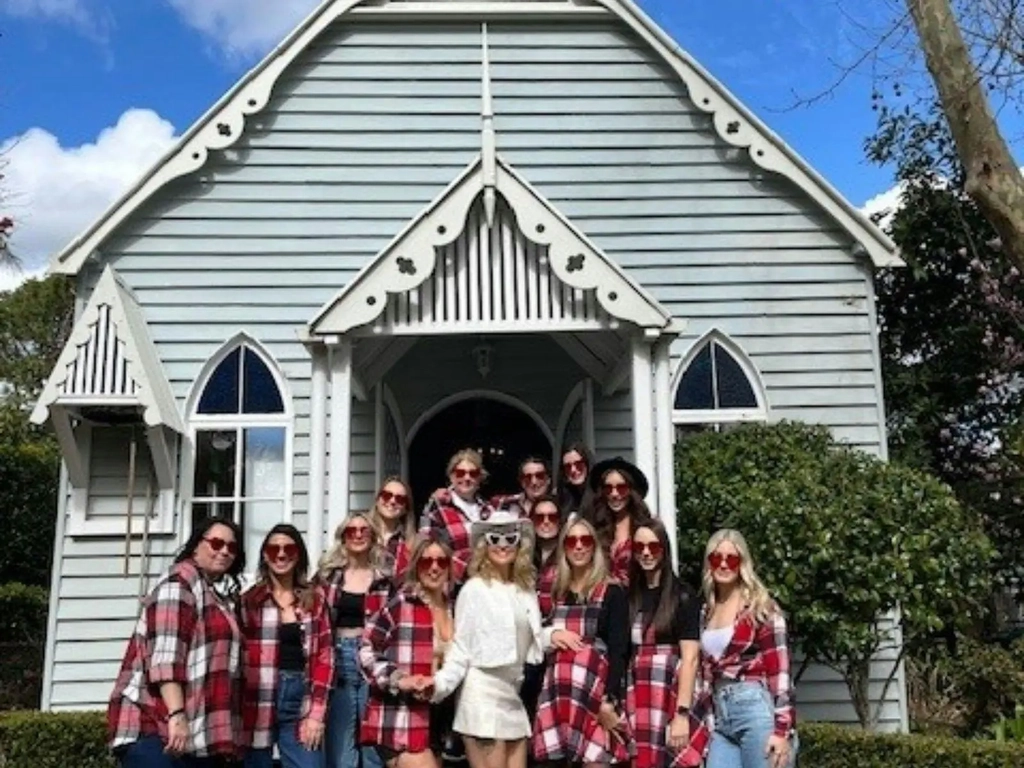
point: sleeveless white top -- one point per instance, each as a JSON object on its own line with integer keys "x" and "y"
{"x": 714, "y": 641}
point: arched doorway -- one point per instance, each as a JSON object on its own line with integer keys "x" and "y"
{"x": 503, "y": 433}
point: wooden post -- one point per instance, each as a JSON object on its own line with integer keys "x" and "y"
{"x": 341, "y": 433}
{"x": 643, "y": 413}
{"x": 665, "y": 442}
{"x": 317, "y": 451}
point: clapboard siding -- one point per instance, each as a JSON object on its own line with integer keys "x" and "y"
{"x": 369, "y": 126}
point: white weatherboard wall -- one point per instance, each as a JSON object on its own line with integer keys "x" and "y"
{"x": 368, "y": 127}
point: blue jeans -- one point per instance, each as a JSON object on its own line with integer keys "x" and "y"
{"x": 291, "y": 690}
{"x": 744, "y": 721}
{"x": 348, "y": 703}
{"x": 148, "y": 752}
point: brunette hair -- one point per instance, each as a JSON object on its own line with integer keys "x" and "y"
{"x": 408, "y": 523}
{"x": 603, "y": 518}
{"x": 598, "y": 565}
{"x": 337, "y": 556}
{"x": 538, "y": 563}
{"x": 567, "y": 497}
{"x": 670, "y": 590}
{"x": 199, "y": 531}
{"x": 304, "y": 591}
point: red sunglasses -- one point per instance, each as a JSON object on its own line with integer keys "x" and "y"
{"x": 217, "y": 544}
{"x": 586, "y": 541}
{"x": 540, "y": 477}
{"x": 575, "y": 466}
{"x": 731, "y": 562}
{"x": 274, "y": 551}
{"x": 461, "y": 473}
{"x": 426, "y": 563}
{"x": 539, "y": 518}
{"x": 356, "y": 532}
{"x": 387, "y": 497}
{"x": 617, "y": 489}
{"x": 654, "y": 547}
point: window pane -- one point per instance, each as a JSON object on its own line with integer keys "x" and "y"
{"x": 258, "y": 517}
{"x": 221, "y": 394}
{"x": 259, "y": 390}
{"x": 694, "y": 390}
{"x": 216, "y": 458}
{"x": 204, "y": 509}
{"x": 734, "y": 390}
{"x": 264, "y": 462}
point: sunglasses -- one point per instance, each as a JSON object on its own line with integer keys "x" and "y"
{"x": 578, "y": 466}
{"x": 356, "y": 532}
{"x": 616, "y": 489}
{"x": 217, "y": 544}
{"x": 274, "y": 551}
{"x": 654, "y": 547}
{"x": 529, "y": 477}
{"x": 717, "y": 560}
{"x": 539, "y": 518}
{"x": 497, "y": 539}
{"x": 586, "y": 541}
{"x": 426, "y": 563}
{"x": 460, "y": 473}
{"x": 387, "y": 497}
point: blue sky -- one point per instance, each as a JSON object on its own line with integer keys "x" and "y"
{"x": 91, "y": 91}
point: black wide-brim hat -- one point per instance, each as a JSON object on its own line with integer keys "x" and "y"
{"x": 630, "y": 470}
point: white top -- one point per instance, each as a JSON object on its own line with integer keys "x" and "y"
{"x": 487, "y": 633}
{"x": 714, "y": 641}
{"x": 469, "y": 508}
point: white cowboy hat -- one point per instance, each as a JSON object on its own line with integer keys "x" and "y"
{"x": 503, "y": 522}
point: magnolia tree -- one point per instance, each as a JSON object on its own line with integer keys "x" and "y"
{"x": 844, "y": 541}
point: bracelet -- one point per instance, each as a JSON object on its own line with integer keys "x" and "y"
{"x": 175, "y": 713}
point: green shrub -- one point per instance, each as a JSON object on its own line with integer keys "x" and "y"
{"x": 29, "y": 471}
{"x": 833, "y": 746}
{"x": 989, "y": 678}
{"x": 22, "y": 613}
{"x": 54, "y": 740}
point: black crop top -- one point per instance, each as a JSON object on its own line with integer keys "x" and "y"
{"x": 349, "y": 610}
{"x": 292, "y": 657}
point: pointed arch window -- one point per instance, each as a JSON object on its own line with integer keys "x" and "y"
{"x": 717, "y": 386}
{"x": 242, "y": 432}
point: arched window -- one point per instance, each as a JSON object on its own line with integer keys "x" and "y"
{"x": 241, "y": 430}
{"x": 717, "y": 386}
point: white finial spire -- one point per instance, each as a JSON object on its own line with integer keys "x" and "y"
{"x": 488, "y": 149}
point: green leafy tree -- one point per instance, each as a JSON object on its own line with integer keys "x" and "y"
{"x": 842, "y": 539}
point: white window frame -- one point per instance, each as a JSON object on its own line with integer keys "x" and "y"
{"x": 198, "y": 422}
{"x": 719, "y": 416}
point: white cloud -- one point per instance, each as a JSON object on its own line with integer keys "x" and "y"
{"x": 53, "y": 193}
{"x": 886, "y": 204}
{"x": 243, "y": 28}
{"x": 74, "y": 12}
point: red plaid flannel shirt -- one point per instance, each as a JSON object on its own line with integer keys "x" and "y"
{"x": 261, "y": 621}
{"x": 185, "y": 634}
{"x": 445, "y": 521}
{"x": 381, "y": 588}
{"x": 399, "y": 638}
{"x": 399, "y": 555}
{"x": 757, "y": 652}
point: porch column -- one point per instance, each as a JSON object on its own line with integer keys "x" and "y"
{"x": 643, "y": 413}
{"x": 666, "y": 441}
{"x": 317, "y": 451}
{"x": 341, "y": 433}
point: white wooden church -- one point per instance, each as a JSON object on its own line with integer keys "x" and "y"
{"x": 424, "y": 224}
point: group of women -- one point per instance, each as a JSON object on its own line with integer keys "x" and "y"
{"x": 544, "y": 627}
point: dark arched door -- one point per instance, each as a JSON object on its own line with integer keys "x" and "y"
{"x": 502, "y": 433}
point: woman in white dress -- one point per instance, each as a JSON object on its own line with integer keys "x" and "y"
{"x": 497, "y": 631}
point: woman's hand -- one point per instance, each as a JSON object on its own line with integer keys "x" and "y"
{"x": 415, "y": 684}
{"x": 564, "y": 640}
{"x": 311, "y": 734}
{"x": 778, "y": 751}
{"x": 177, "y": 735}
{"x": 610, "y": 720}
{"x": 679, "y": 732}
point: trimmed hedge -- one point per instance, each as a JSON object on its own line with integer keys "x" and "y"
{"x": 58, "y": 740}
{"x": 22, "y": 643}
{"x": 834, "y": 746}
{"x": 22, "y": 613}
{"x": 54, "y": 740}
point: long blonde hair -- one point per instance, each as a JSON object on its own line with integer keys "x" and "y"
{"x": 524, "y": 575}
{"x": 756, "y": 598}
{"x": 337, "y": 556}
{"x": 563, "y": 572}
{"x": 407, "y": 524}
